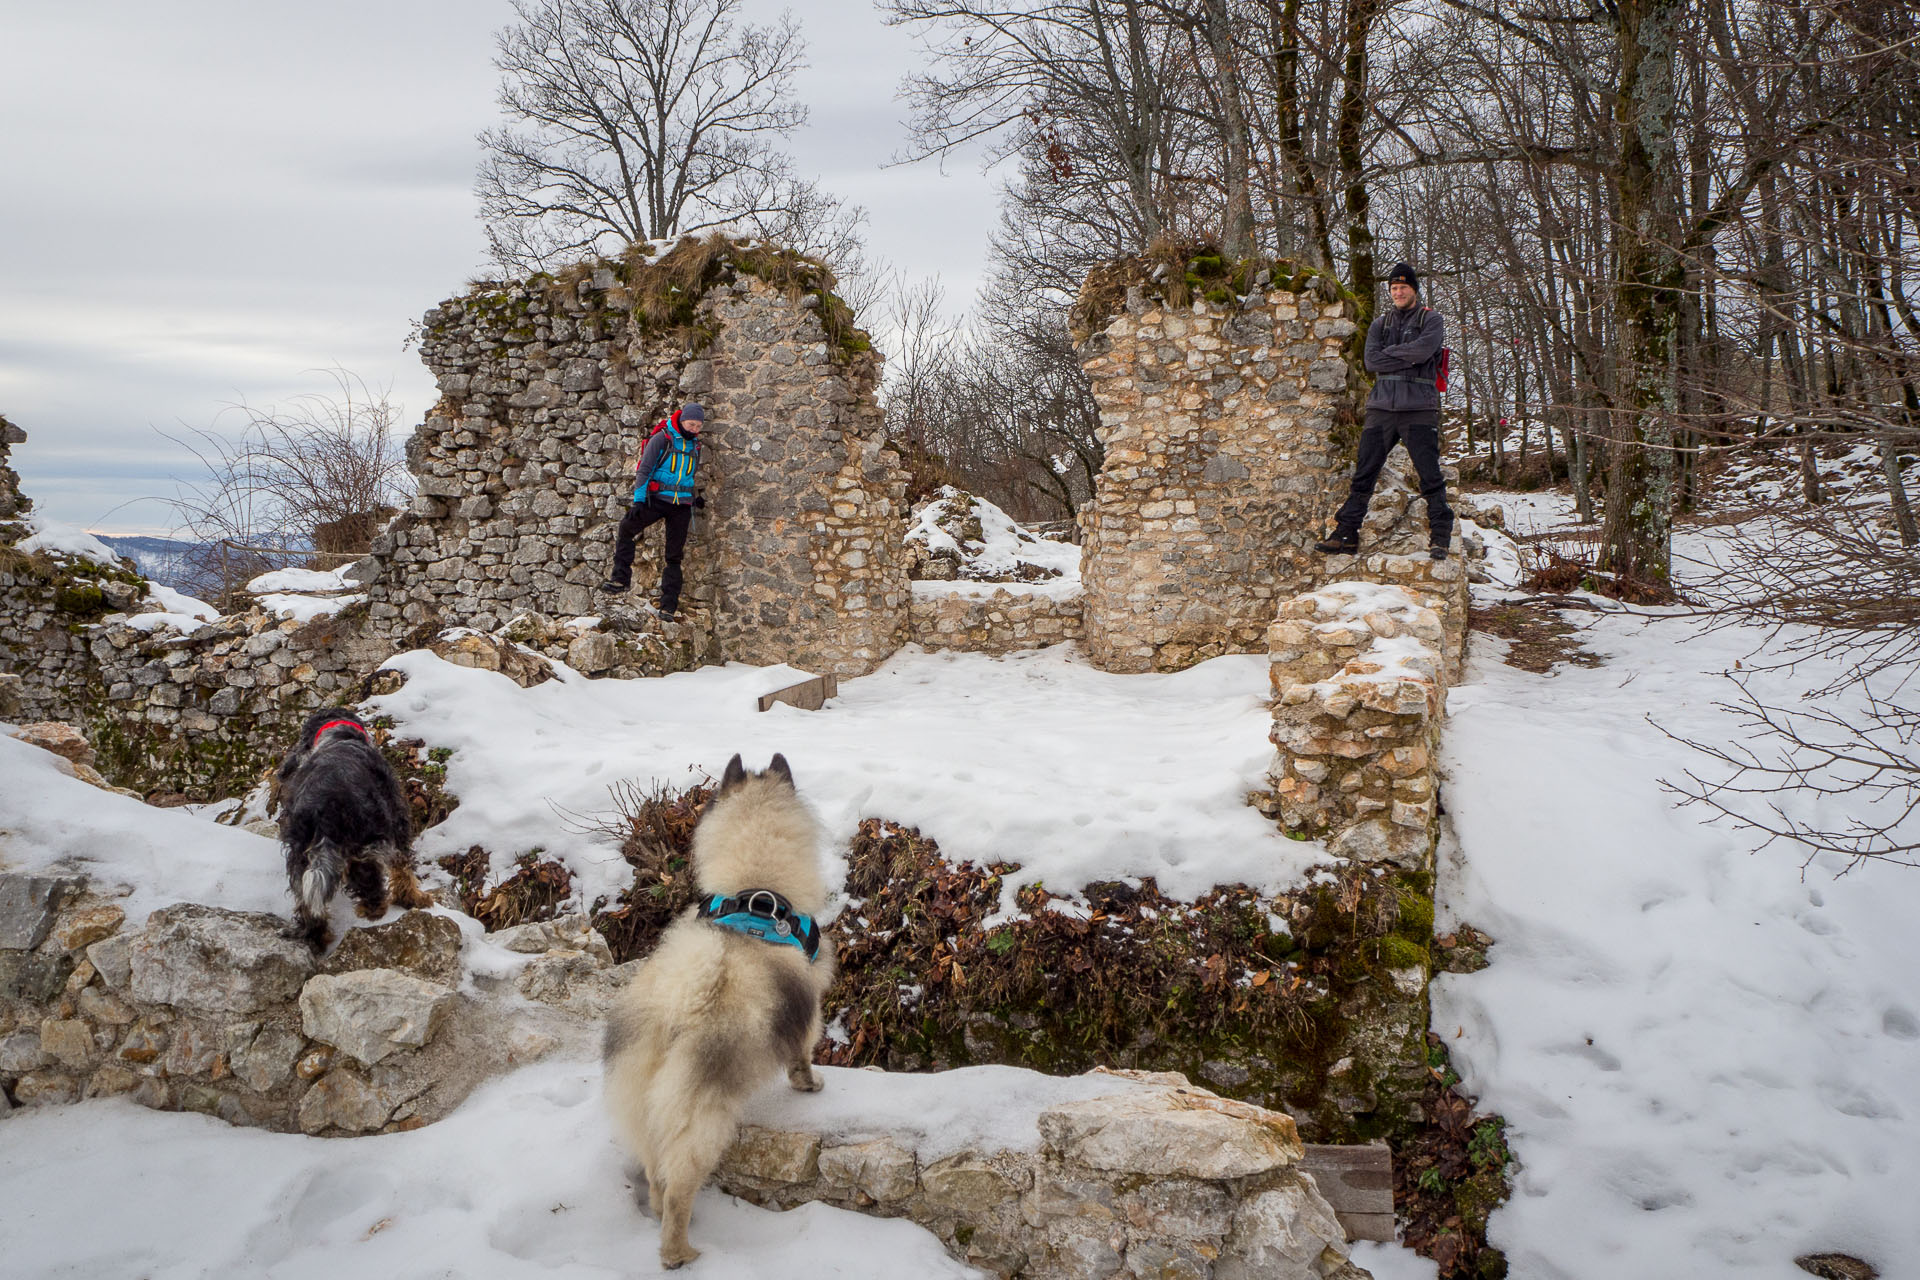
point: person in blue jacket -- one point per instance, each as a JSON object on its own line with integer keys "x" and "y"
{"x": 1403, "y": 354}
{"x": 663, "y": 490}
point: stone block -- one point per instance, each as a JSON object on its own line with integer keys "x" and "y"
{"x": 30, "y": 904}
{"x": 774, "y": 1155}
{"x": 213, "y": 960}
{"x": 371, "y": 1013}
{"x": 880, "y": 1169}
{"x": 1172, "y": 1133}
{"x": 419, "y": 943}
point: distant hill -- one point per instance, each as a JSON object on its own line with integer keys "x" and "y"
{"x": 161, "y": 560}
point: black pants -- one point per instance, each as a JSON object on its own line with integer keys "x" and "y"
{"x": 640, "y": 515}
{"x": 1423, "y": 446}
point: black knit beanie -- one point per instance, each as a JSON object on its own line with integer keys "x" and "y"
{"x": 1404, "y": 271}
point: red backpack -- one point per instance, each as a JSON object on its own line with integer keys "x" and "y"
{"x": 658, "y": 427}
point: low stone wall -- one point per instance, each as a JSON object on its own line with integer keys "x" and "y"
{"x": 1155, "y": 1178}
{"x": 1220, "y": 471}
{"x": 992, "y": 618}
{"x": 202, "y": 1009}
{"x": 1359, "y": 693}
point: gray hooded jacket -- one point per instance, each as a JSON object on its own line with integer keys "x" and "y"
{"x": 1403, "y": 353}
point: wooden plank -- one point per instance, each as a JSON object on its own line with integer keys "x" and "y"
{"x": 809, "y": 695}
{"x": 1358, "y": 1182}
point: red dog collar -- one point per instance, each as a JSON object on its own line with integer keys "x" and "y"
{"x": 340, "y": 724}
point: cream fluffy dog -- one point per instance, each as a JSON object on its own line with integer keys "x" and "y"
{"x": 728, "y": 998}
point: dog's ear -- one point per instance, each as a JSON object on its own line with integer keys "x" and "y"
{"x": 735, "y": 775}
{"x": 779, "y": 768}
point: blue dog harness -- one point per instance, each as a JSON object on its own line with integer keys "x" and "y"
{"x": 762, "y": 914}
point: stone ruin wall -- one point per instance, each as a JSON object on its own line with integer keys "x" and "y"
{"x": 1220, "y": 472}
{"x": 988, "y": 618}
{"x": 526, "y": 467}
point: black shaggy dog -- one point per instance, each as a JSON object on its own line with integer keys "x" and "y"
{"x": 343, "y": 818}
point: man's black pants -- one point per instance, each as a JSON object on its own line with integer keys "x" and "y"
{"x": 1423, "y": 446}
{"x": 640, "y": 515}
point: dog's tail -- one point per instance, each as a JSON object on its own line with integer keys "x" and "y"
{"x": 326, "y": 864}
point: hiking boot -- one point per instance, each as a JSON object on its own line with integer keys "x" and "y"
{"x": 612, "y": 588}
{"x": 665, "y": 615}
{"x": 1438, "y": 548}
{"x": 1338, "y": 544}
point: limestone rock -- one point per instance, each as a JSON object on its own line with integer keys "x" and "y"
{"x": 45, "y": 1088}
{"x": 81, "y": 928}
{"x": 773, "y": 1155}
{"x": 1172, "y": 1133}
{"x": 965, "y": 1186}
{"x": 421, "y": 943}
{"x": 62, "y": 739}
{"x": 552, "y": 978}
{"x": 21, "y": 1052}
{"x": 112, "y": 959}
{"x": 33, "y": 978}
{"x": 29, "y": 904}
{"x": 592, "y": 653}
{"x": 68, "y": 1041}
{"x": 216, "y": 961}
{"x": 1282, "y": 1234}
{"x": 371, "y": 1013}
{"x": 346, "y": 1099}
{"x": 880, "y": 1169}
{"x": 264, "y": 1059}
{"x": 565, "y": 933}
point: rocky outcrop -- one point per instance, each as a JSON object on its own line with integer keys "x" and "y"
{"x": 1138, "y": 1175}
{"x": 203, "y": 1009}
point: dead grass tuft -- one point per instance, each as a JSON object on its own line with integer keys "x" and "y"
{"x": 655, "y": 831}
{"x": 535, "y": 891}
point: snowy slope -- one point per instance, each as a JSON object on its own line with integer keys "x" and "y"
{"x": 1708, "y": 1063}
{"x": 522, "y": 1181}
{"x": 1038, "y": 758}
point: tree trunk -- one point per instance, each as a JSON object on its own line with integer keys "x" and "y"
{"x": 1637, "y": 540}
{"x": 1353, "y": 113}
{"x": 1236, "y": 232}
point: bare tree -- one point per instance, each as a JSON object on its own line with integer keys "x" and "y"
{"x": 632, "y": 120}
{"x": 321, "y": 474}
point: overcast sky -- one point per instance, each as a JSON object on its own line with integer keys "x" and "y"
{"x": 205, "y": 200}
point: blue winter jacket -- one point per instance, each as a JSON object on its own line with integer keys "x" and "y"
{"x": 667, "y": 467}
{"x": 1403, "y": 352}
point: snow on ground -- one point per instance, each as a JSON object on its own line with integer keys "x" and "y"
{"x": 1062, "y": 588}
{"x": 305, "y": 608}
{"x": 174, "y": 609}
{"x": 51, "y": 819}
{"x": 522, "y": 1181}
{"x": 301, "y": 580}
{"x": 1707, "y": 1063}
{"x": 180, "y": 602}
{"x": 63, "y": 539}
{"x": 1004, "y": 547}
{"x": 1076, "y": 774}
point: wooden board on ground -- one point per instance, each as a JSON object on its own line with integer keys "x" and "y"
{"x": 1358, "y": 1183}
{"x": 809, "y": 695}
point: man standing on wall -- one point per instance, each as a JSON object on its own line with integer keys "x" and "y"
{"x": 663, "y": 490}
{"x": 1404, "y": 353}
